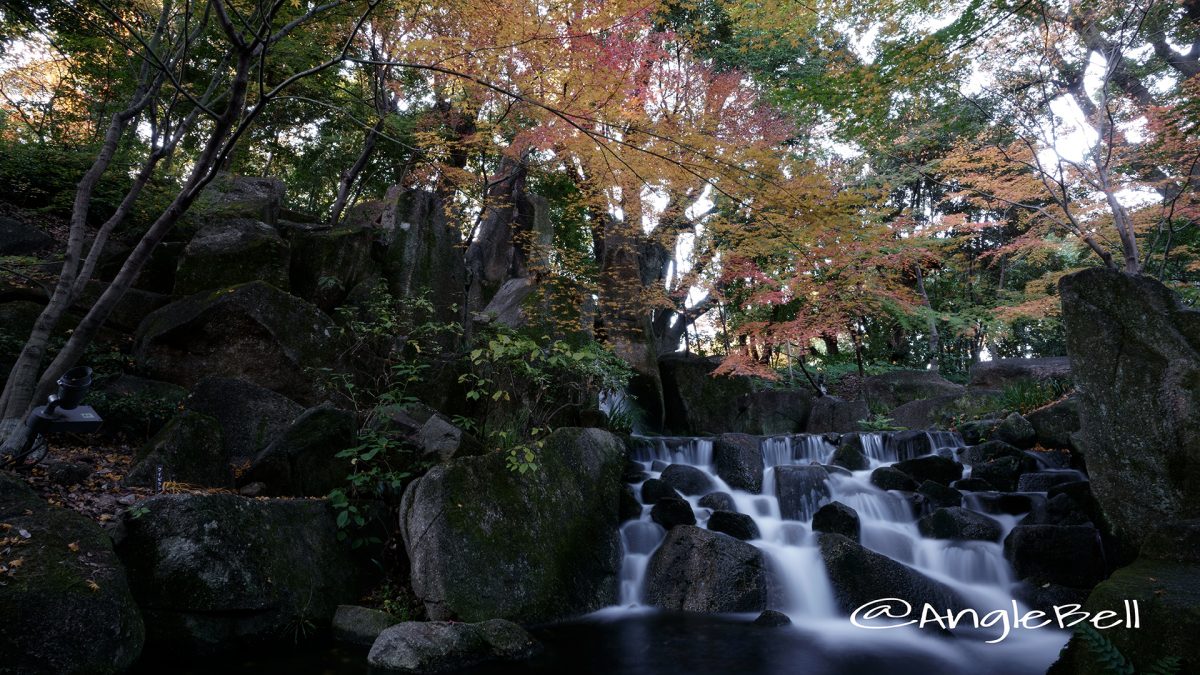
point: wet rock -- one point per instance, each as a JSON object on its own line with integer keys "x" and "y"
{"x": 934, "y": 468}
{"x": 659, "y": 465}
{"x": 837, "y": 518}
{"x": 671, "y": 512}
{"x": 718, "y": 501}
{"x": 54, "y": 621}
{"x": 688, "y": 480}
{"x": 1058, "y": 510}
{"x": 633, "y": 472}
{"x": 772, "y": 619}
{"x": 801, "y": 490}
{"x": 695, "y": 570}
{"x": 360, "y": 625}
{"x": 850, "y": 455}
{"x": 957, "y": 523}
{"x": 891, "y": 478}
{"x": 1016, "y": 430}
{"x": 909, "y": 444}
{"x": 549, "y": 537}
{"x": 972, "y": 484}
{"x": 630, "y": 508}
{"x": 437, "y": 646}
{"x": 204, "y": 586}
{"x": 739, "y": 461}
{"x": 939, "y": 495}
{"x": 654, "y": 490}
{"x": 1070, "y": 555}
{"x": 1003, "y": 472}
{"x": 859, "y": 576}
{"x": 989, "y": 450}
{"x": 736, "y": 525}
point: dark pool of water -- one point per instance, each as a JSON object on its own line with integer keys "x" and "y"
{"x": 678, "y": 644}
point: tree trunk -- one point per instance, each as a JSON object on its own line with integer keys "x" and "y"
{"x": 934, "y": 339}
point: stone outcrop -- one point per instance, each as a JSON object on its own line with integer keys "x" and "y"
{"x": 1135, "y": 358}
{"x": 548, "y": 539}
{"x": 695, "y": 570}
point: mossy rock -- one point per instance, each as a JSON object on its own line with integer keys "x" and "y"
{"x": 694, "y": 400}
{"x": 253, "y": 331}
{"x": 188, "y": 450}
{"x": 67, "y": 607}
{"x": 214, "y": 572}
{"x": 326, "y": 265}
{"x": 231, "y": 252}
{"x": 485, "y": 542}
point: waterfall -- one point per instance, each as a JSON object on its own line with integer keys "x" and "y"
{"x": 977, "y": 570}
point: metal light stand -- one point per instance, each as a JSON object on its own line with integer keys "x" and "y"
{"x": 63, "y": 412}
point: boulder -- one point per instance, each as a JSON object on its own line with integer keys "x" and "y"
{"x": 630, "y": 508}
{"x": 302, "y": 461}
{"x": 932, "y": 467}
{"x": 1058, "y": 510}
{"x": 213, "y": 572}
{"x": 955, "y": 522}
{"x": 548, "y": 538}
{"x": 849, "y": 454}
{"x": 1055, "y": 423}
{"x": 688, "y": 480}
{"x": 228, "y": 197}
{"x": 1004, "y": 473}
{"x": 250, "y": 417}
{"x": 978, "y": 454}
{"x": 419, "y": 249}
{"x": 916, "y": 443}
{"x": 837, "y": 518}
{"x": 739, "y": 461}
{"x": 507, "y": 306}
{"x": 695, "y": 401}
{"x": 654, "y": 489}
{"x": 922, "y": 413}
{"x": 1135, "y": 356}
{"x": 188, "y": 450}
{"x": 801, "y": 490}
{"x": 18, "y": 238}
{"x": 1016, "y": 430}
{"x": 254, "y": 332}
{"x": 695, "y": 570}
{"x": 671, "y": 512}
{"x": 972, "y": 484}
{"x": 1163, "y": 582}
{"x": 438, "y": 646}
{"x": 975, "y": 432}
{"x": 773, "y": 412}
{"x": 1042, "y": 481}
{"x": 440, "y": 440}
{"x": 736, "y": 525}
{"x": 891, "y": 478}
{"x": 718, "y": 501}
{"x": 326, "y": 265}
{"x": 66, "y": 606}
{"x": 903, "y": 386}
{"x": 859, "y": 576}
{"x": 135, "y": 405}
{"x": 1070, "y": 555}
{"x": 939, "y": 495}
{"x": 830, "y": 413}
{"x": 230, "y": 252}
{"x": 360, "y": 625}
{"x": 1001, "y": 373}
{"x": 772, "y": 618}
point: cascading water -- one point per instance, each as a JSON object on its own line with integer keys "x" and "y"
{"x": 976, "y": 570}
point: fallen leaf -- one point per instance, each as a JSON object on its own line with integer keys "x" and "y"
{"x": 93, "y": 585}
{"x": 14, "y": 564}
{"x": 73, "y": 546}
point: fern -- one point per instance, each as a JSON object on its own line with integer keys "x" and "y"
{"x": 1167, "y": 665}
{"x": 1105, "y": 651}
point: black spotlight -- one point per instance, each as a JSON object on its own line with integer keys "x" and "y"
{"x": 63, "y": 412}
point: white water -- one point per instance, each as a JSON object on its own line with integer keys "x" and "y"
{"x": 976, "y": 570}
